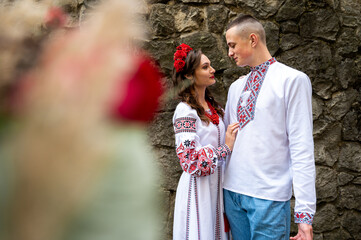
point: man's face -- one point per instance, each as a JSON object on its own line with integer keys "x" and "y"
{"x": 239, "y": 47}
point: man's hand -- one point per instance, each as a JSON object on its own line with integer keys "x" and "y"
{"x": 304, "y": 232}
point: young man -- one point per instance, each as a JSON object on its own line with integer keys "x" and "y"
{"x": 274, "y": 145}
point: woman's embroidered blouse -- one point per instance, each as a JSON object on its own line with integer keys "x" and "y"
{"x": 197, "y": 144}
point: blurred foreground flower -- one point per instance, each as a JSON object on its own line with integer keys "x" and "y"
{"x": 141, "y": 100}
{"x": 55, "y": 18}
{"x": 69, "y": 170}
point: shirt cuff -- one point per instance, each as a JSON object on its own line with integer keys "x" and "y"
{"x": 223, "y": 151}
{"x": 303, "y": 217}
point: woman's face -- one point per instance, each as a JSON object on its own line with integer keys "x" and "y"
{"x": 204, "y": 73}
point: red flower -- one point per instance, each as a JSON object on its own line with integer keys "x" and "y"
{"x": 55, "y": 18}
{"x": 142, "y": 93}
{"x": 184, "y": 47}
{"x": 179, "y": 54}
{"x": 179, "y": 65}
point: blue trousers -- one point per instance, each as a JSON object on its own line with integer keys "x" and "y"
{"x": 257, "y": 219}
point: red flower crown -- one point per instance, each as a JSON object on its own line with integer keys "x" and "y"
{"x": 180, "y": 56}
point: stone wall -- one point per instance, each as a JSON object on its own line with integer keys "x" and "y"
{"x": 319, "y": 37}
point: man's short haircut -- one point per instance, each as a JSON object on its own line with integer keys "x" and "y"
{"x": 246, "y": 25}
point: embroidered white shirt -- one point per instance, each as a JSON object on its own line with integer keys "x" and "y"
{"x": 275, "y": 149}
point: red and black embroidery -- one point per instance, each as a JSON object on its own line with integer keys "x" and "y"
{"x": 185, "y": 124}
{"x": 222, "y": 151}
{"x": 302, "y": 217}
{"x": 199, "y": 163}
{"x": 246, "y": 107}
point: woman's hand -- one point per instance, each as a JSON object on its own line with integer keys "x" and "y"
{"x": 231, "y": 134}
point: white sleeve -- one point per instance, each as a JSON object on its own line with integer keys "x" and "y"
{"x": 299, "y": 129}
{"x": 227, "y": 111}
{"x": 195, "y": 159}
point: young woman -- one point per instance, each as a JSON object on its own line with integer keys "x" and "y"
{"x": 202, "y": 146}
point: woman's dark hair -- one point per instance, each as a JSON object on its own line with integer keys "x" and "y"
{"x": 186, "y": 89}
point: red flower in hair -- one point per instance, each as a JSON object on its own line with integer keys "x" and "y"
{"x": 179, "y": 65}
{"x": 180, "y": 55}
{"x": 184, "y": 47}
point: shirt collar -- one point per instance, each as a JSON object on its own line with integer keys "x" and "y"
{"x": 264, "y": 65}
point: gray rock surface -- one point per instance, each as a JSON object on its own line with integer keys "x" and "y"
{"x": 320, "y": 38}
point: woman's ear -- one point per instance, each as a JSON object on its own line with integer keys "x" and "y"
{"x": 189, "y": 77}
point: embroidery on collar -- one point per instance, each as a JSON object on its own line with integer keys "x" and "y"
{"x": 246, "y": 106}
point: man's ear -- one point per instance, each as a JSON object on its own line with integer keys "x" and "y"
{"x": 254, "y": 39}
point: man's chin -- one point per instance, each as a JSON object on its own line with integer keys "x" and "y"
{"x": 241, "y": 64}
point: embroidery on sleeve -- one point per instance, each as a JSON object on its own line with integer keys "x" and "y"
{"x": 222, "y": 151}
{"x": 198, "y": 163}
{"x": 185, "y": 124}
{"x": 301, "y": 217}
